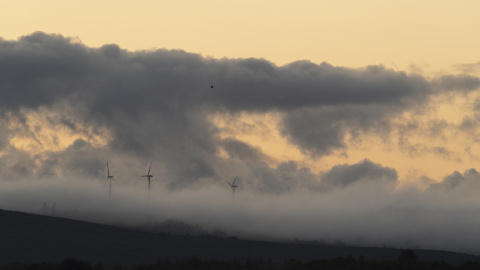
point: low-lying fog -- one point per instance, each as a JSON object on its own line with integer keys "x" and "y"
{"x": 363, "y": 214}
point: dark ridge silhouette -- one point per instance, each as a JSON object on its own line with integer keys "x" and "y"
{"x": 30, "y": 238}
{"x": 176, "y": 227}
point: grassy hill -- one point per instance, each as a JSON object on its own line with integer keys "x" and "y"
{"x": 35, "y": 238}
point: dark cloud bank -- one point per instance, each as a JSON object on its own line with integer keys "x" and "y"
{"x": 155, "y": 106}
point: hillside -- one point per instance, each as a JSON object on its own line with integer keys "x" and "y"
{"x": 35, "y": 238}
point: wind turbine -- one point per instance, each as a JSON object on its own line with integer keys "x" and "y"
{"x": 233, "y": 186}
{"x": 109, "y": 177}
{"x": 148, "y": 175}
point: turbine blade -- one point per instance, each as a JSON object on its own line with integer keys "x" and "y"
{"x": 234, "y": 180}
{"x": 149, "y": 168}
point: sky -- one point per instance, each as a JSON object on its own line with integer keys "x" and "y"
{"x": 342, "y": 120}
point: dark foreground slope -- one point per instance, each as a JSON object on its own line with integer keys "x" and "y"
{"x": 34, "y": 238}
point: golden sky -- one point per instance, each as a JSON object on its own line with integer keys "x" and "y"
{"x": 429, "y": 37}
{"x": 432, "y": 35}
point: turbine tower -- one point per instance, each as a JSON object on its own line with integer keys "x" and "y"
{"x": 109, "y": 177}
{"x": 148, "y": 175}
{"x": 233, "y": 186}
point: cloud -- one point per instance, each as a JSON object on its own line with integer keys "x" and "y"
{"x": 460, "y": 82}
{"x": 68, "y": 108}
{"x": 468, "y": 68}
{"x": 341, "y": 176}
{"x": 322, "y": 130}
{"x": 256, "y": 84}
{"x": 39, "y": 69}
{"x": 244, "y": 152}
{"x": 455, "y": 180}
{"x": 155, "y": 104}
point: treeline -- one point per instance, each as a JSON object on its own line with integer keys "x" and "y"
{"x": 406, "y": 261}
